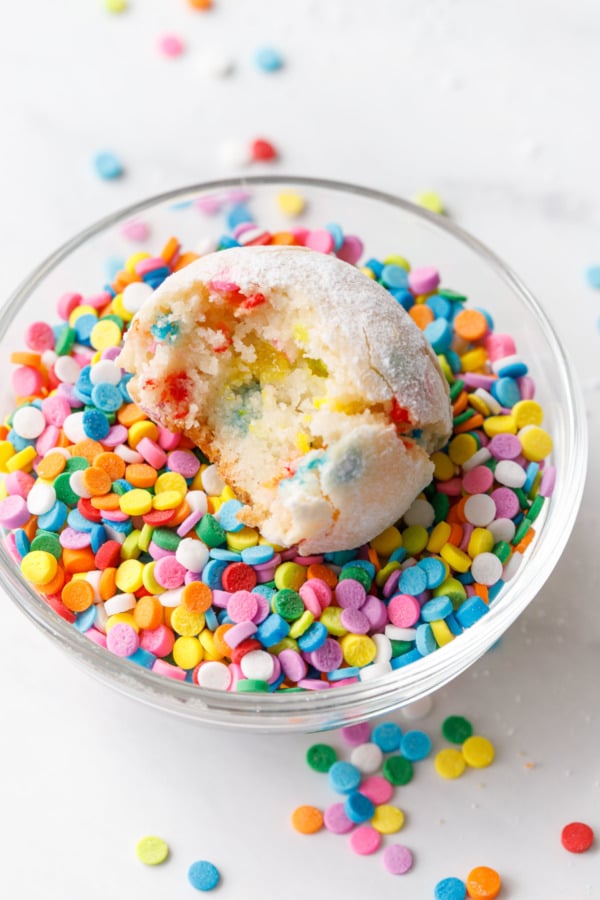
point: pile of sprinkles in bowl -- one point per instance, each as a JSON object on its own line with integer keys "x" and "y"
{"x": 128, "y": 532}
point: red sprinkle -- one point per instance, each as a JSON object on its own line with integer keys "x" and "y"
{"x": 577, "y": 837}
{"x": 238, "y": 577}
{"x": 262, "y": 151}
{"x": 108, "y": 556}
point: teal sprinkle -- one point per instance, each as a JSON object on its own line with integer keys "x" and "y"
{"x": 165, "y": 329}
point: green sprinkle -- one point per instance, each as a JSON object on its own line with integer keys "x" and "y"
{"x": 75, "y": 464}
{"x": 521, "y": 531}
{"x": 166, "y": 538}
{"x": 502, "y": 550}
{"x": 463, "y": 417}
{"x": 535, "y": 508}
{"x": 48, "y": 541}
{"x": 401, "y": 647}
{"x": 288, "y": 604}
{"x": 251, "y": 684}
{"x": 321, "y": 757}
{"x": 441, "y": 506}
{"x": 398, "y": 770}
{"x": 65, "y": 341}
{"x": 456, "y": 729}
{"x": 64, "y": 491}
{"x": 357, "y": 573}
{"x": 455, "y": 390}
{"x": 209, "y": 531}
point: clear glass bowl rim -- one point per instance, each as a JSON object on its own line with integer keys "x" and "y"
{"x": 363, "y": 699}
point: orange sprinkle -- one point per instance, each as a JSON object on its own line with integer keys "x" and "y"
{"x": 307, "y": 819}
{"x": 129, "y": 414}
{"x": 460, "y": 404}
{"x": 481, "y": 591}
{"x": 196, "y": 597}
{"x": 25, "y": 358}
{"x": 51, "y": 466}
{"x": 525, "y": 541}
{"x": 107, "y": 501}
{"x": 96, "y": 481}
{"x": 87, "y": 448}
{"x": 421, "y": 315}
{"x": 483, "y": 883}
{"x": 54, "y": 586}
{"x": 122, "y": 279}
{"x": 475, "y": 421}
{"x": 459, "y": 509}
{"x": 148, "y": 612}
{"x": 470, "y": 324}
{"x": 324, "y": 573}
{"x": 107, "y": 585}
{"x": 184, "y": 260}
{"x": 77, "y": 595}
{"x": 374, "y": 558}
{"x": 456, "y": 534}
{"x": 30, "y": 527}
{"x": 219, "y": 636}
{"x": 179, "y": 514}
{"x": 78, "y": 560}
{"x": 167, "y": 613}
{"x": 283, "y": 238}
{"x": 112, "y": 464}
{"x": 141, "y": 475}
{"x": 63, "y": 440}
{"x": 200, "y": 4}
{"x": 170, "y": 250}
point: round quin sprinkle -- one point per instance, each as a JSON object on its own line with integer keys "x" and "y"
{"x": 307, "y": 819}
{"x": 203, "y": 875}
{"x": 478, "y": 752}
{"x": 365, "y": 840}
{"x": 336, "y": 820}
{"x": 108, "y": 166}
{"x": 387, "y": 819}
{"x": 356, "y": 734}
{"x": 398, "y": 770}
{"x": 577, "y": 837}
{"x": 152, "y": 850}
{"x": 456, "y": 729}
{"x": 321, "y": 757}
{"x": 367, "y": 758}
{"x": 397, "y": 859}
{"x": 450, "y": 889}
{"x": 483, "y": 883}
{"x": 449, "y": 763}
{"x": 415, "y": 745}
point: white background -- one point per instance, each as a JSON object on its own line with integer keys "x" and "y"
{"x": 494, "y": 105}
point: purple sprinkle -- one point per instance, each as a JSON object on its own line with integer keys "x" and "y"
{"x": 74, "y": 540}
{"x": 336, "y": 820}
{"x": 328, "y": 656}
{"x": 397, "y": 859}
{"x": 238, "y": 633}
{"x": 111, "y": 353}
{"x": 117, "y": 434}
{"x": 391, "y": 583}
{"x": 355, "y": 621}
{"x": 122, "y": 639}
{"x": 473, "y": 380}
{"x": 220, "y": 598}
{"x": 183, "y": 462}
{"x": 351, "y": 249}
{"x": 350, "y": 593}
{"x": 68, "y": 391}
{"x": 294, "y": 667}
{"x": 548, "y": 481}
{"x": 507, "y": 503}
{"x": 376, "y": 612}
{"x": 263, "y": 609}
{"x": 356, "y": 734}
{"x": 189, "y": 522}
{"x": 13, "y": 512}
{"x": 312, "y": 684}
{"x": 505, "y": 446}
{"x": 265, "y": 574}
{"x": 526, "y": 387}
{"x": 267, "y": 566}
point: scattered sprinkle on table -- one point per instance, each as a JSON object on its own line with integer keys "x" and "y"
{"x": 171, "y": 45}
{"x": 203, "y": 875}
{"x": 262, "y": 150}
{"x": 152, "y": 850}
{"x": 577, "y": 837}
{"x": 592, "y": 275}
{"x": 483, "y": 883}
{"x": 431, "y": 201}
{"x": 108, "y": 165}
{"x": 268, "y": 59}
{"x": 450, "y": 889}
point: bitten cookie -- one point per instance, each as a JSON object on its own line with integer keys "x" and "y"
{"x": 307, "y": 384}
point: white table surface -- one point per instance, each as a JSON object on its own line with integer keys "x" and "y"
{"x": 495, "y": 106}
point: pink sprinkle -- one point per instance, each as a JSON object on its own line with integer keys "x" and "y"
{"x": 189, "y": 522}
{"x": 122, "y": 639}
{"x": 67, "y": 303}
{"x": 242, "y": 228}
{"x": 183, "y": 462}
{"x": 263, "y": 609}
{"x": 468, "y": 530}
{"x": 242, "y": 606}
{"x": 26, "y": 381}
{"x": 98, "y": 300}
{"x": 507, "y": 503}
{"x": 169, "y": 573}
{"x": 39, "y": 336}
{"x": 365, "y": 840}
{"x": 209, "y": 205}
{"x": 171, "y": 45}
{"x": 13, "y": 512}
{"x": 404, "y": 610}
{"x": 300, "y": 234}
{"x": 19, "y": 483}
{"x": 311, "y": 601}
{"x": 276, "y": 670}
{"x": 238, "y": 633}
{"x": 317, "y": 588}
{"x": 294, "y": 667}
{"x": 158, "y": 641}
{"x": 10, "y": 544}
{"x": 474, "y": 380}
{"x": 74, "y": 540}
{"x": 478, "y": 480}
{"x": 351, "y": 249}
{"x": 452, "y": 487}
{"x": 117, "y": 434}
{"x": 157, "y": 552}
{"x": 160, "y": 667}
{"x": 320, "y": 240}
{"x": 96, "y": 636}
{"x": 526, "y": 387}
{"x": 355, "y": 621}
{"x": 499, "y": 345}
{"x": 377, "y": 788}
{"x": 167, "y": 440}
{"x": 135, "y": 230}
{"x": 548, "y": 481}
{"x": 149, "y": 264}
{"x": 397, "y": 859}
{"x": 343, "y": 682}
{"x": 114, "y": 515}
{"x": 423, "y": 280}
{"x": 220, "y": 598}
{"x": 47, "y": 440}
{"x": 356, "y": 734}
{"x": 309, "y": 560}
{"x": 336, "y": 820}
{"x": 313, "y": 684}
{"x": 110, "y": 353}
{"x": 350, "y": 593}
{"x": 152, "y": 452}
{"x": 376, "y": 612}
{"x": 56, "y": 409}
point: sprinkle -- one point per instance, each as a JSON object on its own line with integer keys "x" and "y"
{"x": 262, "y": 150}
{"x": 592, "y": 276}
{"x": 577, "y": 837}
{"x": 268, "y": 59}
{"x": 203, "y": 875}
{"x": 483, "y": 883}
{"x": 116, "y": 6}
{"x": 108, "y": 166}
{"x": 431, "y": 201}
{"x": 307, "y": 819}
{"x": 397, "y": 859}
{"x": 171, "y": 45}
{"x": 152, "y": 850}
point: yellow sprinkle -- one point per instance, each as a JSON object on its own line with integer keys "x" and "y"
{"x": 171, "y": 481}
{"x": 130, "y": 548}
{"x": 358, "y": 649}
{"x": 119, "y": 309}
{"x": 141, "y": 430}
{"x": 387, "y": 819}
{"x": 439, "y": 536}
{"x": 449, "y": 763}
{"x": 474, "y": 360}
{"x": 396, "y": 260}
{"x": 331, "y": 618}
{"x": 384, "y": 573}
{"x": 446, "y": 369}
{"x": 105, "y": 334}
{"x": 461, "y": 448}
{"x": 302, "y": 624}
{"x": 444, "y": 467}
{"x": 167, "y": 500}
{"x": 242, "y": 539}
{"x": 286, "y": 643}
{"x": 368, "y": 272}
{"x": 499, "y": 425}
{"x": 478, "y": 752}
{"x": 441, "y": 632}
{"x": 535, "y": 443}
{"x": 186, "y": 623}
{"x": 187, "y": 652}
{"x": 145, "y": 536}
{"x": 456, "y": 558}
{"x": 527, "y": 412}
{"x": 453, "y": 589}
{"x": 387, "y": 541}
{"x": 414, "y": 539}
{"x": 209, "y": 646}
{"x": 290, "y": 575}
{"x": 478, "y": 405}
{"x": 137, "y": 502}
{"x": 430, "y": 200}
{"x": 124, "y": 618}
{"x": 7, "y": 451}
{"x": 22, "y": 461}
{"x": 150, "y": 850}
{"x": 134, "y": 259}
{"x": 149, "y": 581}
{"x": 481, "y": 541}
{"x": 291, "y": 203}
{"x": 39, "y": 567}
{"x": 227, "y": 494}
{"x": 129, "y": 576}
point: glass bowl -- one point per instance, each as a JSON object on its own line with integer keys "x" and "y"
{"x": 387, "y": 225}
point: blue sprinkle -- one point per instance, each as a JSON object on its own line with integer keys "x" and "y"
{"x": 55, "y": 518}
{"x": 453, "y": 625}
{"x": 425, "y": 641}
{"x": 210, "y": 618}
{"x": 238, "y": 215}
{"x": 434, "y": 569}
{"x": 18, "y": 442}
{"x": 265, "y": 590}
{"x": 221, "y": 553}
{"x": 486, "y": 316}
{"x": 272, "y": 630}
{"x": 435, "y": 609}
{"x": 258, "y": 555}
{"x": 416, "y": 745}
{"x": 340, "y": 557}
{"x": 122, "y": 486}
{"x": 313, "y": 638}
{"x": 506, "y": 391}
{"x": 512, "y": 370}
{"x": 413, "y": 581}
{"x": 532, "y": 469}
{"x": 441, "y": 307}
{"x": 339, "y": 674}
{"x": 22, "y": 542}
{"x": 495, "y": 589}
{"x": 225, "y": 242}
{"x": 112, "y": 266}
{"x": 439, "y": 333}
{"x": 123, "y": 387}
{"x": 78, "y": 522}
{"x": 358, "y": 807}
{"x": 464, "y": 577}
{"x": 343, "y": 777}
{"x": 387, "y": 736}
{"x": 268, "y": 59}
{"x": 273, "y": 685}
{"x": 86, "y": 619}
{"x": 107, "y": 397}
{"x": 121, "y": 527}
{"x": 398, "y": 662}
{"x": 365, "y": 564}
{"x": 108, "y": 166}
{"x": 404, "y": 298}
{"x": 83, "y": 329}
{"x": 164, "y": 329}
{"x": 453, "y": 360}
{"x": 375, "y": 266}
{"x": 212, "y": 573}
{"x": 450, "y": 889}
{"x": 203, "y": 875}
{"x": 592, "y": 275}
{"x": 394, "y": 276}
{"x": 98, "y": 537}
{"x": 227, "y": 516}
{"x": 471, "y": 611}
{"x": 337, "y": 234}
{"x": 95, "y": 424}
{"x": 399, "y": 555}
